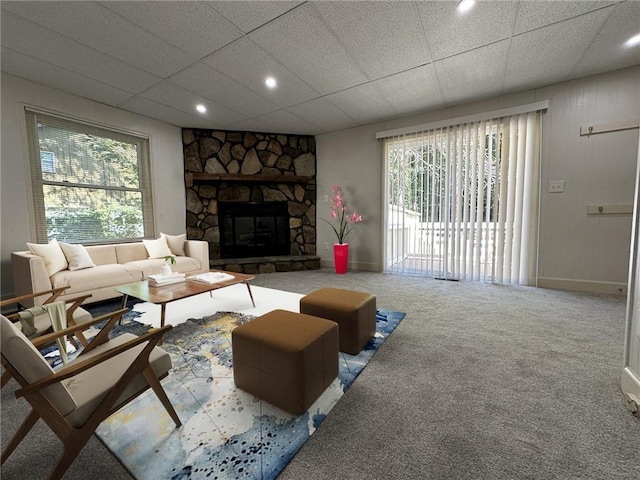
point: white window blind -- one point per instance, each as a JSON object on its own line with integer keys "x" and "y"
{"x": 463, "y": 200}
{"x": 90, "y": 184}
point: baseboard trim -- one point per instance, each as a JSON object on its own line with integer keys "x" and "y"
{"x": 630, "y": 385}
{"x": 590, "y": 286}
{"x": 367, "y": 267}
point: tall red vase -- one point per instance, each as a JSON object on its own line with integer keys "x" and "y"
{"x": 341, "y": 257}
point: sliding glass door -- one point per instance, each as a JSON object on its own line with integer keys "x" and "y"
{"x": 462, "y": 200}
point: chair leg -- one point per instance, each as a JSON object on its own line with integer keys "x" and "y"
{"x": 154, "y": 383}
{"x": 6, "y": 376}
{"x": 71, "y": 450}
{"x": 26, "y": 426}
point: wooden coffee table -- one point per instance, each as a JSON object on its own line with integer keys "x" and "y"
{"x": 177, "y": 291}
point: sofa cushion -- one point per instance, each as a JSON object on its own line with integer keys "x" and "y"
{"x": 176, "y": 243}
{"x": 51, "y": 253}
{"x": 187, "y": 264}
{"x": 90, "y": 387}
{"x": 157, "y": 248}
{"x": 128, "y": 252}
{"x": 77, "y": 256}
{"x": 94, "y": 278}
{"x": 152, "y": 266}
{"x": 103, "y": 254}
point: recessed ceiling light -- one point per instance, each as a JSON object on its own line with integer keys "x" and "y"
{"x": 270, "y": 82}
{"x": 465, "y": 5}
{"x": 201, "y": 108}
{"x": 633, "y": 41}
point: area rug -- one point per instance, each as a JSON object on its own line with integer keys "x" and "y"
{"x": 226, "y": 432}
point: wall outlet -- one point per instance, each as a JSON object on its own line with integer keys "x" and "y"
{"x": 326, "y": 199}
{"x": 556, "y": 186}
{"x": 326, "y": 245}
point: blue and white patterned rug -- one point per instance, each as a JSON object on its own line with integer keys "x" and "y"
{"x": 226, "y": 433}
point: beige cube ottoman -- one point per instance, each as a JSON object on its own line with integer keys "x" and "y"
{"x": 285, "y": 358}
{"x": 354, "y": 312}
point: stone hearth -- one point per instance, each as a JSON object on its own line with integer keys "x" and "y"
{"x": 223, "y": 166}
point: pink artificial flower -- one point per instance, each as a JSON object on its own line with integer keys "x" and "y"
{"x": 339, "y": 211}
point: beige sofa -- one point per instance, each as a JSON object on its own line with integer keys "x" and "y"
{"x": 115, "y": 264}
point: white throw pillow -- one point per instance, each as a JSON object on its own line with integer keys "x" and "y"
{"x": 77, "y": 256}
{"x": 157, "y": 248}
{"x": 51, "y": 253}
{"x": 176, "y": 243}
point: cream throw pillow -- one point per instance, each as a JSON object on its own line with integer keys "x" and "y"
{"x": 77, "y": 256}
{"x": 176, "y": 243}
{"x": 157, "y": 248}
{"x": 51, "y": 253}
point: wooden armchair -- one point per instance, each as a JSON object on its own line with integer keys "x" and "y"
{"x": 76, "y": 315}
{"x": 75, "y": 399}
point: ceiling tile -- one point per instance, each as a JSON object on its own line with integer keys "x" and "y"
{"x": 382, "y": 37}
{"x": 450, "y": 33}
{"x": 474, "y": 74}
{"x": 194, "y": 27}
{"x": 363, "y": 103}
{"x": 36, "y": 70}
{"x": 248, "y": 16}
{"x": 149, "y": 108}
{"x": 92, "y": 24}
{"x": 536, "y": 14}
{"x": 51, "y": 47}
{"x": 623, "y": 23}
{"x": 548, "y": 54}
{"x": 324, "y": 114}
{"x": 286, "y": 122}
{"x": 336, "y": 63}
{"x": 412, "y": 91}
{"x": 166, "y": 93}
{"x": 203, "y": 80}
{"x": 303, "y": 44}
{"x": 247, "y": 64}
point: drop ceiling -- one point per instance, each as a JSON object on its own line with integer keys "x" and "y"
{"x": 337, "y": 64}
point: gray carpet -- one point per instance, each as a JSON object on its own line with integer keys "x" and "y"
{"x": 479, "y": 381}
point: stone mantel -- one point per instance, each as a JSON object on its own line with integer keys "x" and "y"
{"x": 233, "y": 177}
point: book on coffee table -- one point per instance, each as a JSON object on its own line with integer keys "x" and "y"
{"x": 159, "y": 280}
{"x": 211, "y": 277}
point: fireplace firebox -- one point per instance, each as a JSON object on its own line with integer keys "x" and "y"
{"x": 253, "y": 229}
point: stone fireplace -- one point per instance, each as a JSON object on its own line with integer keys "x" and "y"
{"x": 252, "y": 197}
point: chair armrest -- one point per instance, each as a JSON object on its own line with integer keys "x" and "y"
{"x": 50, "y": 337}
{"x": 153, "y": 337}
{"x": 29, "y": 276}
{"x": 75, "y": 301}
{"x": 54, "y": 292}
{"x": 199, "y": 250}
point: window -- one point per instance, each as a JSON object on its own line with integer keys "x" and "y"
{"x": 90, "y": 184}
{"x": 462, "y": 200}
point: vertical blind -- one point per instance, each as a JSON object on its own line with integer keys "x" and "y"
{"x": 462, "y": 200}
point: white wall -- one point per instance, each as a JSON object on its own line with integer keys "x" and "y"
{"x": 16, "y": 225}
{"x": 576, "y": 251}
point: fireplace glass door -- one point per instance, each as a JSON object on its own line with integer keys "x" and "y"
{"x": 253, "y": 229}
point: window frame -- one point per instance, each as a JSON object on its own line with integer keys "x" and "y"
{"x": 75, "y": 125}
